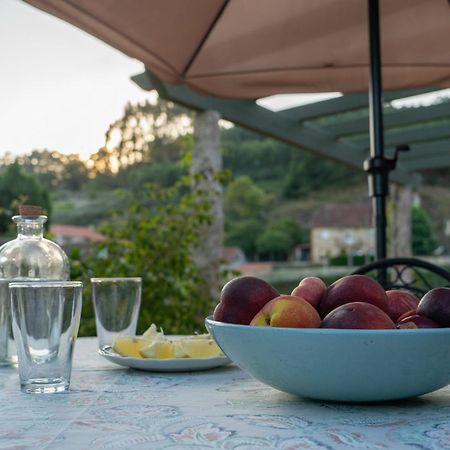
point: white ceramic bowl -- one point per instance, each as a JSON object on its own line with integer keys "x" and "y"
{"x": 340, "y": 365}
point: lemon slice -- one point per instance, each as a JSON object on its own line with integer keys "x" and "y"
{"x": 152, "y": 334}
{"x": 178, "y": 350}
{"x": 159, "y": 350}
{"x": 129, "y": 345}
{"x": 199, "y": 348}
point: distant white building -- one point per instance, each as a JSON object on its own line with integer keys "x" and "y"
{"x": 341, "y": 228}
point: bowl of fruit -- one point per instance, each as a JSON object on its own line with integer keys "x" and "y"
{"x": 351, "y": 341}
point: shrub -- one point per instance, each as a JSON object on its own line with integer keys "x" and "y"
{"x": 152, "y": 238}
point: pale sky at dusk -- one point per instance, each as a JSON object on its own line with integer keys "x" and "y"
{"x": 59, "y": 87}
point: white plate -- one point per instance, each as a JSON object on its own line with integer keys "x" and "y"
{"x": 164, "y": 365}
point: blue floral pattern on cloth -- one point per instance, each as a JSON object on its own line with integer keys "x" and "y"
{"x": 111, "y": 407}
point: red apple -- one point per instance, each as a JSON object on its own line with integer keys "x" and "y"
{"x": 358, "y": 315}
{"x": 354, "y": 288}
{"x": 400, "y": 302}
{"x": 435, "y": 305}
{"x": 311, "y": 289}
{"x": 241, "y": 298}
{"x": 287, "y": 311}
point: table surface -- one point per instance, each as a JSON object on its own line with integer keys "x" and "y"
{"x": 112, "y": 407}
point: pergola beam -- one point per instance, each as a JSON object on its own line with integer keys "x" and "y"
{"x": 400, "y": 117}
{"x": 278, "y": 125}
{"x": 408, "y": 135}
{"x": 429, "y": 162}
{"x": 428, "y": 156}
{"x": 347, "y": 102}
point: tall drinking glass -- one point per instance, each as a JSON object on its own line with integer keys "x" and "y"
{"x": 7, "y": 347}
{"x": 45, "y": 320}
{"x": 116, "y": 305}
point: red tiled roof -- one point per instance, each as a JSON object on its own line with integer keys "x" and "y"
{"x": 255, "y": 267}
{"x": 74, "y": 230}
{"x": 343, "y": 215}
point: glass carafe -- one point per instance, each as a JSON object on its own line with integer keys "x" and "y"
{"x": 28, "y": 257}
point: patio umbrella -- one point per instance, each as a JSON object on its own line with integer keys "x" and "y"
{"x": 246, "y": 49}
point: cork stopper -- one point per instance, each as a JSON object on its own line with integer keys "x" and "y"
{"x": 30, "y": 211}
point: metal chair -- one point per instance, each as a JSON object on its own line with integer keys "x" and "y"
{"x": 415, "y": 275}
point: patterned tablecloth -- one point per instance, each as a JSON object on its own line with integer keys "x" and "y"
{"x": 113, "y": 407}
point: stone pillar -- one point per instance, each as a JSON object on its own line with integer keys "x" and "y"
{"x": 207, "y": 160}
{"x": 400, "y": 241}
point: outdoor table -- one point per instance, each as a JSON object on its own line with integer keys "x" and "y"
{"x": 109, "y": 406}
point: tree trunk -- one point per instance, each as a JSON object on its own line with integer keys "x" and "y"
{"x": 400, "y": 239}
{"x": 207, "y": 160}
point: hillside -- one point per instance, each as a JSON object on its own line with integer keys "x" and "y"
{"x": 269, "y": 198}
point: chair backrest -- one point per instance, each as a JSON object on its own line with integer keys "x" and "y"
{"x": 415, "y": 275}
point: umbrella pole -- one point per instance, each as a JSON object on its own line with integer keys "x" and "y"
{"x": 377, "y": 166}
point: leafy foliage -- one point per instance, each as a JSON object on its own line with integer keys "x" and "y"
{"x": 18, "y": 187}
{"x": 280, "y": 236}
{"x": 423, "y": 239}
{"x": 152, "y": 238}
{"x": 308, "y": 173}
{"x": 245, "y": 200}
{"x": 294, "y": 172}
{"x": 148, "y": 131}
{"x": 54, "y": 170}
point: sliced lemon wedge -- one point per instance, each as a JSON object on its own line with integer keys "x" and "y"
{"x": 158, "y": 349}
{"x": 194, "y": 347}
{"x": 129, "y": 345}
{"x": 152, "y": 334}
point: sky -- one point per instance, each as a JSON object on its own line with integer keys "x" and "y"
{"x": 60, "y": 88}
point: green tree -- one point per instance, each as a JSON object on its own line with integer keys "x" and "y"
{"x": 308, "y": 173}
{"x": 18, "y": 187}
{"x": 279, "y": 238}
{"x": 152, "y": 237}
{"x": 54, "y": 169}
{"x": 246, "y": 209}
{"x": 245, "y": 200}
{"x": 262, "y": 158}
{"x": 151, "y": 131}
{"x": 244, "y": 234}
{"x": 423, "y": 238}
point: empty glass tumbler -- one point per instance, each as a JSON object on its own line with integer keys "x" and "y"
{"x": 45, "y": 320}
{"x": 116, "y": 305}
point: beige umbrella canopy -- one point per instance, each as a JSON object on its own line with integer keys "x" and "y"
{"x": 256, "y": 48}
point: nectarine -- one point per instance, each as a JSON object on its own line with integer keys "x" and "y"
{"x": 399, "y": 302}
{"x": 411, "y": 312}
{"x": 311, "y": 289}
{"x": 287, "y": 311}
{"x": 416, "y": 321}
{"x": 241, "y": 298}
{"x": 435, "y": 305}
{"x": 358, "y": 315}
{"x": 354, "y": 288}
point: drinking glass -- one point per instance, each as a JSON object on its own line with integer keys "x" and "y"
{"x": 116, "y": 305}
{"x": 7, "y": 348}
{"x": 45, "y": 320}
